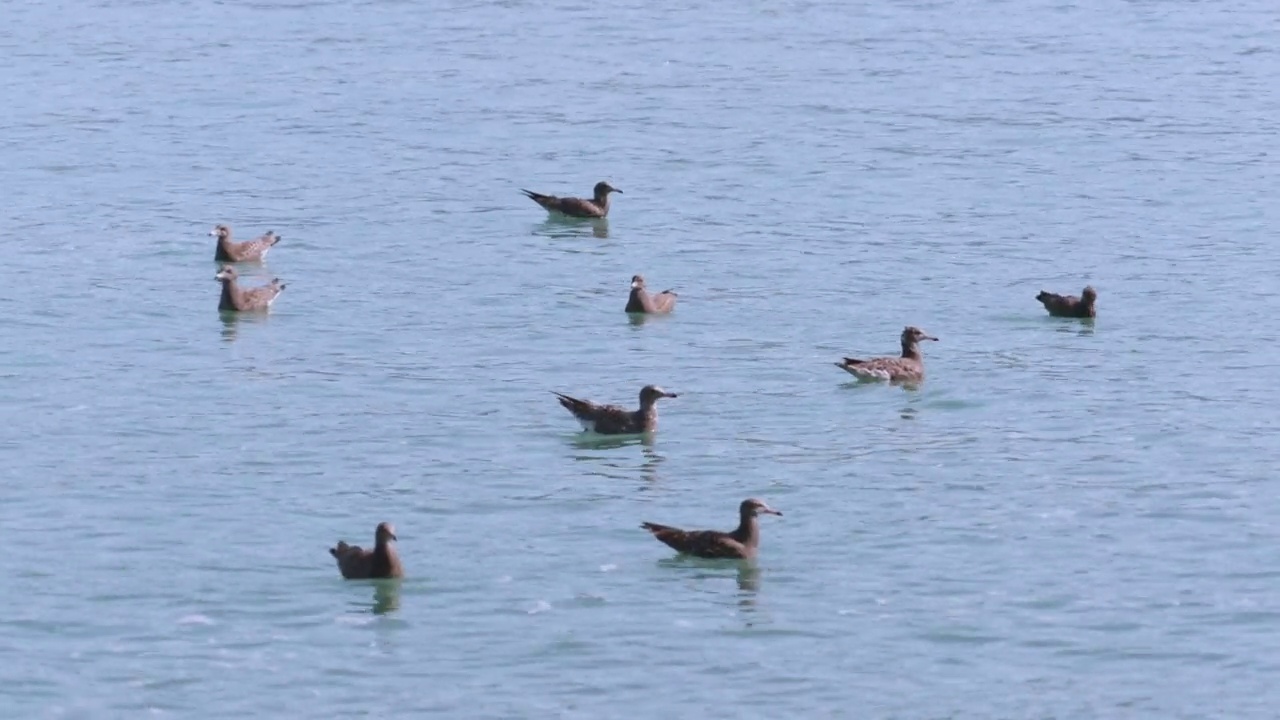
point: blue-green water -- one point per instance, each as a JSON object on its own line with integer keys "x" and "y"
{"x": 1065, "y": 521}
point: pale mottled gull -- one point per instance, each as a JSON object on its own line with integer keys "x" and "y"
{"x": 248, "y": 251}
{"x": 640, "y": 301}
{"x": 907, "y": 368}
{"x": 237, "y": 299}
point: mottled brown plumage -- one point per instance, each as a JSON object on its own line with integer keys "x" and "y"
{"x": 614, "y": 420}
{"x": 641, "y": 301}
{"x": 742, "y": 543}
{"x": 356, "y": 563}
{"x": 1070, "y": 305}
{"x": 907, "y": 368}
{"x": 237, "y": 299}
{"x": 247, "y": 251}
{"x": 597, "y": 207}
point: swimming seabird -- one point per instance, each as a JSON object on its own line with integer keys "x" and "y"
{"x": 247, "y": 251}
{"x": 741, "y": 543}
{"x": 641, "y": 301}
{"x": 614, "y": 420}
{"x": 1070, "y": 305}
{"x": 908, "y": 368}
{"x": 597, "y": 207}
{"x": 238, "y": 299}
{"x": 382, "y": 561}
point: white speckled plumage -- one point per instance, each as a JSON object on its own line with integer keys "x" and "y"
{"x": 907, "y": 368}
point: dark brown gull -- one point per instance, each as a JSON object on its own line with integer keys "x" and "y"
{"x": 908, "y": 368}
{"x": 597, "y": 207}
{"x": 614, "y": 420}
{"x": 1070, "y": 305}
{"x": 382, "y": 561}
{"x": 741, "y": 543}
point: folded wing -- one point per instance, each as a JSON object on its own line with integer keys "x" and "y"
{"x": 699, "y": 543}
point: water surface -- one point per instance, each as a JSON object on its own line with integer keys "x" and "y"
{"x": 1067, "y": 520}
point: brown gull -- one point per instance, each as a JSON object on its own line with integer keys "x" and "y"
{"x": 237, "y": 299}
{"x": 908, "y": 368}
{"x": 742, "y": 543}
{"x": 614, "y": 420}
{"x": 597, "y": 207}
{"x": 641, "y": 301}
{"x": 247, "y": 251}
{"x": 382, "y": 561}
{"x": 1070, "y": 305}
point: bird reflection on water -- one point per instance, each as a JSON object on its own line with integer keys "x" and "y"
{"x": 652, "y": 462}
{"x": 231, "y": 322}
{"x": 386, "y": 596}
{"x": 747, "y": 576}
{"x": 556, "y": 226}
{"x": 595, "y": 441}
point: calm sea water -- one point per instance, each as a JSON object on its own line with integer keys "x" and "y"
{"x": 1066, "y": 521}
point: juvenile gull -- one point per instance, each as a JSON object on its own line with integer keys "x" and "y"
{"x": 614, "y": 420}
{"x": 597, "y": 207}
{"x": 908, "y": 368}
{"x": 642, "y": 302}
{"x": 741, "y": 543}
{"x": 247, "y": 251}
{"x": 1070, "y": 305}
{"x": 238, "y": 299}
{"x": 382, "y": 561}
